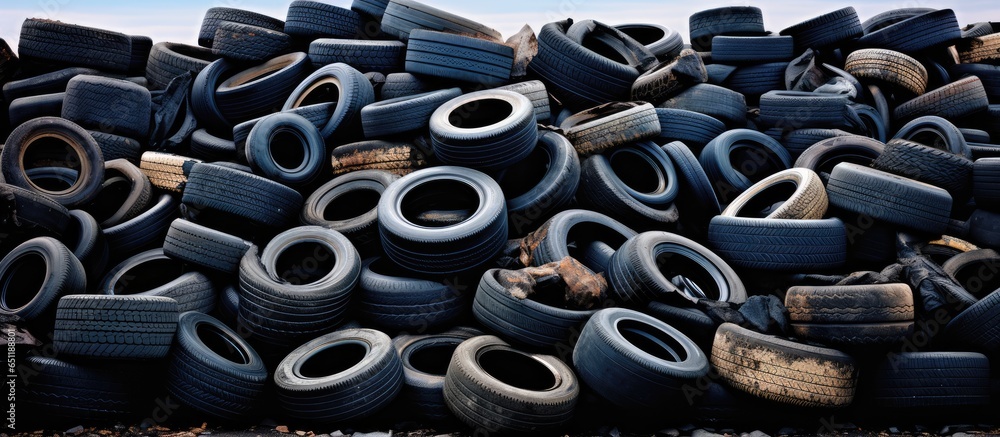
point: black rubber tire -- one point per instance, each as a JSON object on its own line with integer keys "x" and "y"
{"x": 988, "y": 74}
{"x": 723, "y": 104}
{"x": 577, "y": 76}
{"x": 425, "y": 361}
{"x": 318, "y": 114}
{"x": 213, "y": 370}
{"x": 35, "y": 275}
{"x": 888, "y": 67}
{"x": 203, "y": 102}
{"x": 168, "y": 60}
{"x": 911, "y": 380}
{"x": 692, "y": 128}
{"x": 140, "y": 47}
{"x": 890, "y": 17}
{"x": 403, "y": 84}
{"x": 926, "y": 164}
{"x": 535, "y": 91}
{"x": 69, "y": 391}
{"x": 952, "y": 101}
{"x": 209, "y": 147}
{"x": 153, "y": 273}
{"x": 447, "y": 248}
{"x": 276, "y": 135}
{"x": 486, "y": 388}
{"x": 529, "y": 206}
{"x": 976, "y": 327}
{"x": 696, "y": 201}
{"x": 985, "y": 177}
{"x": 115, "y": 327}
{"x": 240, "y": 194}
{"x": 74, "y": 45}
{"x": 653, "y": 360}
{"x": 853, "y": 315}
{"x": 401, "y": 17}
{"x": 779, "y": 245}
{"x": 365, "y": 55}
{"x": 85, "y": 154}
{"x": 734, "y": 20}
{"x": 797, "y": 141}
{"x": 349, "y": 204}
{"x": 826, "y": 30}
{"x": 374, "y": 8}
{"x": 660, "y": 40}
{"x": 650, "y": 265}
{"x": 764, "y": 157}
{"x": 570, "y": 232}
{"x": 114, "y": 205}
{"x": 313, "y": 20}
{"x": 117, "y": 147}
{"x": 752, "y": 49}
{"x": 807, "y": 201}
{"x": 606, "y": 186}
{"x": 353, "y": 92}
{"x": 403, "y": 115}
{"x": 218, "y": 15}
{"x": 890, "y": 198}
{"x": 145, "y": 231}
{"x": 394, "y": 157}
{"x": 85, "y": 239}
{"x": 30, "y": 213}
{"x": 112, "y": 106}
{"x": 47, "y": 83}
{"x": 525, "y": 321}
{"x": 204, "y": 247}
{"x": 362, "y": 382}
{"x": 29, "y": 108}
{"x": 754, "y": 81}
{"x": 389, "y": 298}
{"x": 824, "y": 155}
{"x": 936, "y": 132}
{"x": 500, "y": 131}
{"x": 260, "y": 90}
{"x": 974, "y": 271}
{"x": 610, "y": 126}
{"x": 668, "y": 79}
{"x": 791, "y": 110}
{"x": 458, "y": 57}
{"x": 797, "y": 374}
{"x": 936, "y": 28}
{"x": 692, "y": 322}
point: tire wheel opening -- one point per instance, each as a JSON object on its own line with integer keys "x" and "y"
{"x": 582, "y": 234}
{"x": 307, "y": 262}
{"x": 333, "y": 359}
{"x": 689, "y": 271}
{"x": 289, "y": 149}
{"x": 439, "y": 203}
{"x": 768, "y": 200}
{"x": 51, "y": 151}
{"x": 113, "y": 195}
{"x": 827, "y": 165}
{"x": 517, "y": 370}
{"x": 652, "y": 341}
{"x": 22, "y": 281}
{"x": 217, "y": 341}
{"x": 981, "y": 278}
{"x": 324, "y": 91}
{"x": 645, "y": 35}
{"x": 754, "y": 162}
{"x": 930, "y": 138}
{"x": 148, "y": 275}
{"x": 434, "y": 359}
{"x": 351, "y": 204}
{"x": 526, "y": 174}
{"x": 637, "y": 171}
{"x": 53, "y": 179}
{"x": 480, "y": 113}
{"x": 603, "y": 49}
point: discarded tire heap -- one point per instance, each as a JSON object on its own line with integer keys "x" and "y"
{"x": 388, "y": 211}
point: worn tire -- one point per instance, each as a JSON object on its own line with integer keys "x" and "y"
{"x": 115, "y": 327}
{"x": 890, "y": 198}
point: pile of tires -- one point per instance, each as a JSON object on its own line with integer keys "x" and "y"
{"x": 316, "y": 219}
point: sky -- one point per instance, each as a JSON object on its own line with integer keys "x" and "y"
{"x": 179, "y": 20}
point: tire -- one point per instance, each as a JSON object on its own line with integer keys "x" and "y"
{"x": 752, "y": 49}
{"x": 763, "y": 157}
{"x": 507, "y": 397}
{"x": 153, "y": 273}
{"x": 204, "y": 247}
{"x": 239, "y": 194}
{"x": 692, "y": 322}
{"x": 756, "y": 80}
{"x": 853, "y": 315}
{"x": 112, "y": 106}
{"x": 888, "y": 67}
{"x": 973, "y": 270}
{"x": 525, "y": 321}
{"x": 930, "y": 379}
{"x": 378, "y": 56}
{"x": 458, "y": 57}
{"x": 394, "y": 157}
{"x": 952, "y": 101}
{"x": 723, "y": 104}
{"x": 735, "y": 20}
{"x": 807, "y": 200}
{"x": 115, "y": 205}
{"x": 259, "y": 91}
{"x": 670, "y": 78}
{"x": 353, "y": 92}
{"x": 168, "y": 60}
{"x": 636, "y": 184}
{"x": 497, "y": 133}
{"x": 167, "y": 171}
{"x": 577, "y": 76}
{"x": 276, "y": 136}
{"x": 926, "y": 164}
{"x": 311, "y": 20}
{"x": 117, "y": 147}
{"x": 644, "y": 269}
{"x": 890, "y": 17}
{"x": 442, "y": 248}
{"x": 29, "y": 108}
{"x": 214, "y": 17}
{"x": 528, "y": 206}
{"x": 374, "y": 8}
{"x": 403, "y": 115}
{"x": 85, "y": 239}
{"x": 696, "y": 198}
{"x": 349, "y": 204}
{"x": 799, "y": 140}
{"x": 401, "y": 17}
{"x": 985, "y": 174}
{"x": 145, "y": 231}
{"x": 824, "y": 155}
{"x": 944, "y": 249}
{"x": 140, "y": 47}
{"x": 213, "y": 370}
{"x": 209, "y": 147}
{"x": 403, "y": 84}
{"x": 425, "y": 361}
{"x": 611, "y": 125}
{"x": 73, "y": 45}
{"x": 14, "y": 158}
{"x": 933, "y": 29}
{"x": 692, "y": 128}
{"x": 392, "y": 300}
{"x": 988, "y": 74}
{"x": 115, "y": 327}
{"x": 653, "y": 362}
{"x": 936, "y": 132}
{"x": 367, "y": 376}
{"x": 569, "y": 232}
{"x": 883, "y": 196}
{"x": 826, "y": 30}
{"x": 779, "y": 245}
{"x": 30, "y": 213}
{"x": 795, "y": 374}
{"x": 660, "y": 40}
{"x": 203, "y": 102}
{"x": 318, "y": 114}
{"x": 65, "y": 390}
{"x": 35, "y": 275}
{"x": 48, "y": 83}
{"x": 791, "y": 110}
